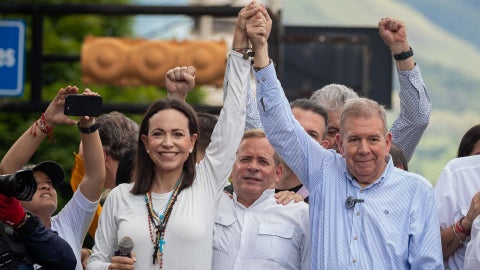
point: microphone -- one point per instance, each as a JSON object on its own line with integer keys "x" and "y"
{"x": 125, "y": 247}
{"x": 350, "y": 202}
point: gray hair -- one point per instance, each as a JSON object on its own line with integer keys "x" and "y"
{"x": 333, "y": 96}
{"x": 118, "y": 134}
{"x": 363, "y": 107}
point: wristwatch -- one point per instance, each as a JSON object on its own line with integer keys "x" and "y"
{"x": 403, "y": 55}
{"x": 89, "y": 129}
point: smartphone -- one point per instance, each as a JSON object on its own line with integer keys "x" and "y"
{"x": 81, "y": 105}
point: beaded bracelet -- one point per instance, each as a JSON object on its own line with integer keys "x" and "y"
{"x": 456, "y": 234}
{"x": 460, "y": 228}
{"x": 246, "y": 52}
{"x": 240, "y": 49}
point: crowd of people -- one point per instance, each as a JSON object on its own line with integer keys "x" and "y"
{"x": 316, "y": 183}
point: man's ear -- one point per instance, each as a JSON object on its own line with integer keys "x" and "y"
{"x": 278, "y": 173}
{"x": 388, "y": 142}
{"x": 339, "y": 141}
{"x": 324, "y": 144}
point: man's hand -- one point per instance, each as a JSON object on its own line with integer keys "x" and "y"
{"x": 11, "y": 211}
{"x": 180, "y": 81}
{"x": 258, "y": 30}
{"x": 286, "y": 196}
{"x": 394, "y": 34}
{"x": 259, "y": 27}
{"x": 240, "y": 37}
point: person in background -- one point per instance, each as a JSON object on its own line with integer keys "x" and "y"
{"x": 206, "y": 122}
{"x": 73, "y": 220}
{"x": 415, "y": 103}
{"x": 352, "y": 194}
{"x": 457, "y": 195}
{"x": 126, "y": 168}
{"x": 332, "y": 98}
{"x": 398, "y": 157}
{"x": 470, "y": 143}
{"x": 25, "y": 241}
{"x": 472, "y": 253}
{"x": 118, "y": 135}
{"x": 313, "y": 118}
{"x": 169, "y": 209}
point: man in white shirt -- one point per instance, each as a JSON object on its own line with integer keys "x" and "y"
{"x": 251, "y": 230}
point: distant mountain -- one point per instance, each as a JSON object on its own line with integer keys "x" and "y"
{"x": 459, "y": 17}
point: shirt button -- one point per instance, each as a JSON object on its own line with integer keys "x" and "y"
{"x": 355, "y": 238}
{"x": 358, "y": 214}
{"x": 361, "y": 190}
{"x": 263, "y": 79}
{"x": 354, "y": 261}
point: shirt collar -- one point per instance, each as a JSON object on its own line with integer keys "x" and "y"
{"x": 379, "y": 181}
{"x": 265, "y": 195}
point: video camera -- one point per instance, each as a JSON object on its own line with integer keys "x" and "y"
{"x": 21, "y": 185}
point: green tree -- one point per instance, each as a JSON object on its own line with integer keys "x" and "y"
{"x": 64, "y": 34}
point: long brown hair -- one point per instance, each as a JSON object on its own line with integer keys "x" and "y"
{"x": 145, "y": 168}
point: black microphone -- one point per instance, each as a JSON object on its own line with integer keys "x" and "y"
{"x": 350, "y": 202}
{"x": 125, "y": 247}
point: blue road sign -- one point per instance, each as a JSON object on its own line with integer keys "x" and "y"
{"x": 12, "y": 57}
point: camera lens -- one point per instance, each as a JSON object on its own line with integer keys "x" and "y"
{"x": 25, "y": 185}
{"x": 21, "y": 185}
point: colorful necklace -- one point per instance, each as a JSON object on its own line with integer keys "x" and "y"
{"x": 158, "y": 222}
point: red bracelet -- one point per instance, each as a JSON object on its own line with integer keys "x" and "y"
{"x": 43, "y": 126}
{"x": 460, "y": 228}
{"x": 456, "y": 234}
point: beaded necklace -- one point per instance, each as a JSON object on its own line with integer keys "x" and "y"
{"x": 158, "y": 222}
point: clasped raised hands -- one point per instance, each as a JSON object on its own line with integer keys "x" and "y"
{"x": 258, "y": 26}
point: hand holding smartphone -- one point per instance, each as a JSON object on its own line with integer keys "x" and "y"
{"x": 83, "y": 105}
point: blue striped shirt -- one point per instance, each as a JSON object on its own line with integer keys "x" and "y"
{"x": 396, "y": 227}
{"x": 415, "y": 109}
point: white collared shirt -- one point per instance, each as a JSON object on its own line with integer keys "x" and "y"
{"x": 455, "y": 188}
{"x": 265, "y": 235}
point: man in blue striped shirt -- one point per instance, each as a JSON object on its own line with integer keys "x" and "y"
{"x": 364, "y": 212}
